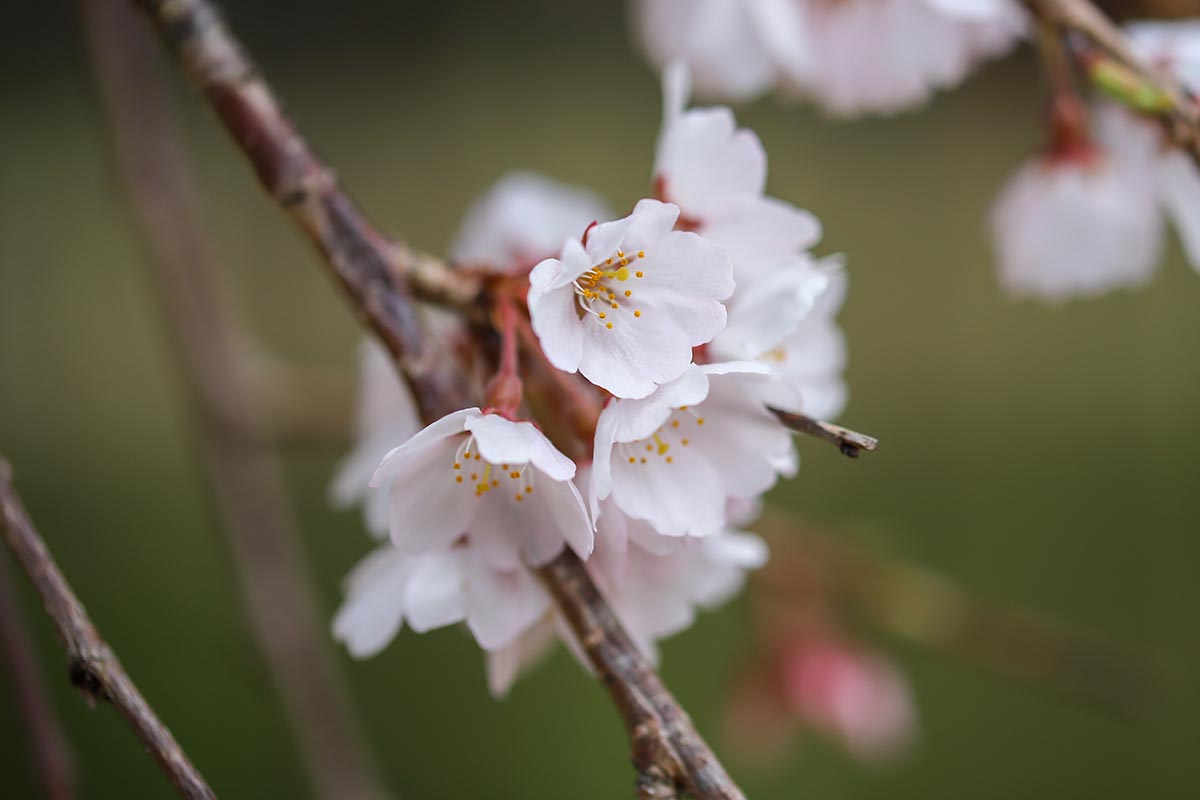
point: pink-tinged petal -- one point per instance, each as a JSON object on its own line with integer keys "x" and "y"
{"x": 428, "y": 508}
{"x": 770, "y": 309}
{"x": 1181, "y": 196}
{"x": 558, "y": 327}
{"x": 685, "y": 263}
{"x": 435, "y": 595}
{"x": 501, "y": 605}
{"x": 633, "y": 419}
{"x": 606, "y": 238}
{"x": 505, "y": 665}
{"x": 396, "y": 461}
{"x": 760, "y": 234}
{"x": 684, "y": 498}
{"x": 635, "y": 355}
{"x": 373, "y": 611}
{"x": 707, "y": 164}
{"x": 650, "y": 221}
{"x": 502, "y": 441}
{"x": 569, "y": 517}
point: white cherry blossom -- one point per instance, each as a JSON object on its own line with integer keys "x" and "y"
{"x": 432, "y": 590}
{"x": 849, "y": 56}
{"x": 501, "y": 482}
{"x": 673, "y": 458}
{"x": 521, "y": 220}
{"x": 787, "y": 321}
{"x": 717, "y": 174}
{"x": 1079, "y": 223}
{"x": 626, "y": 307}
{"x": 386, "y": 414}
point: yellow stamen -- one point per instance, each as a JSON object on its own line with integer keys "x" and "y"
{"x": 637, "y": 313}
{"x": 662, "y": 446}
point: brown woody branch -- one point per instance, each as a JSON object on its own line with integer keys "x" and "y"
{"x": 1081, "y": 19}
{"x": 375, "y": 274}
{"x": 671, "y": 758}
{"x": 48, "y": 746}
{"x": 94, "y": 667}
{"x": 849, "y": 442}
{"x": 285, "y": 620}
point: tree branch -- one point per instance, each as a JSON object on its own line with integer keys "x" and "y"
{"x": 1080, "y": 18}
{"x": 270, "y": 565}
{"x": 374, "y": 272}
{"x": 671, "y": 758}
{"x": 849, "y": 442}
{"x": 667, "y": 749}
{"x": 94, "y": 667}
{"x": 50, "y": 751}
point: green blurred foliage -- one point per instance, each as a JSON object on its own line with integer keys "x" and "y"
{"x": 1046, "y": 457}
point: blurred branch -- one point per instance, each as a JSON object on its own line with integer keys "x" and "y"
{"x": 671, "y": 758}
{"x": 935, "y": 611}
{"x": 262, "y": 536}
{"x": 1178, "y": 111}
{"x": 849, "y": 442}
{"x": 51, "y": 753}
{"x": 93, "y": 666}
{"x": 667, "y": 750}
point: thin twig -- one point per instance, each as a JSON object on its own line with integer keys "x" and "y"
{"x": 671, "y": 758}
{"x": 262, "y": 536}
{"x": 1181, "y": 114}
{"x": 51, "y": 753}
{"x": 93, "y": 666}
{"x": 849, "y": 442}
{"x": 667, "y": 748}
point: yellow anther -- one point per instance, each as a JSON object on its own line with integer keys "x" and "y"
{"x": 603, "y": 315}
{"x": 520, "y": 498}
{"x": 514, "y": 475}
{"x": 474, "y": 476}
{"x": 628, "y": 293}
{"x": 640, "y": 274}
{"x": 458, "y": 466}
{"x": 649, "y": 448}
{"x": 458, "y": 478}
{"x": 504, "y": 466}
{"x": 608, "y": 261}
{"x": 632, "y": 460}
{"x": 699, "y": 420}
{"x": 528, "y": 490}
{"x": 683, "y": 408}
{"x": 477, "y": 456}
{"x": 608, "y": 325}
{"x": 641, "y": 253}
{"x": 624, "y": 262}
{"x": 616, "y": 305}
{"x": 670, "y": 460}
{"x": 637, "y": 313}
{"x": 674, "y": 423}
{"x": 620, "y": 254}
{"x": 643, "y": 461}
{"x": 684, "y": 442}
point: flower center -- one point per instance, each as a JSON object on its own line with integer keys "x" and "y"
{"x": 485, "y": 476}
{"x": 680, "y": 430}
{"x": 599, "y": 288}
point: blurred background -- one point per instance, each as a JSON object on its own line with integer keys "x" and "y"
{"x": 1046, "y": 458}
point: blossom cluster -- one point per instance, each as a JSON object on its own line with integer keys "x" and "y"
{"x": 850, "y": 57}
{"x": 682, "y": 324}
{"x": 1086, "y": 215}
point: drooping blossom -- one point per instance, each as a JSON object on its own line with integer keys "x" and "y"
{"x": 501, "y": 481}
{"x": 386, "y": 415}
{"x": 1173, "y": 48}
{"x": 675, "y": 457}
{"x": 850, "y": 57}
{"x": 1077, "y": 219}
{"x": 787, "y": 321}
{"x": 817, "y": 681}
{"x": 716, "y": 173}
{"x": 625, "y": 307}
{"x": 522, "y": 219}
{"x": 434, "y": 589}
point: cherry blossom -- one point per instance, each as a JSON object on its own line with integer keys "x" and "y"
{"x": 625, "y": 307}
{"x": 787, "y": 321}
{"x": 673, "y": 458}
{"x": 717, "y": 173}
{"x": 432, "y": 590}
{"x": 501, "y": 481}
{"x": 522, "y": 219}
{"x": 850, "y": 57}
